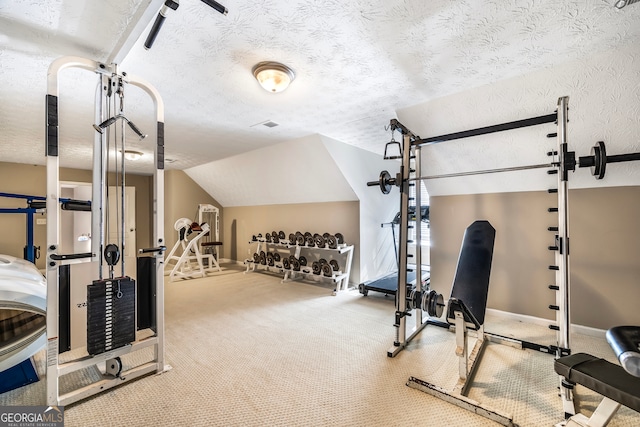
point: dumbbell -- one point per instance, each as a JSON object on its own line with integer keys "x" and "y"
{"x": 309, "y": 240}
{"x": 276, "y": 257}
{"x": 285, "y": 263}
{"x": 332, "y": 242}
{"x": 263, "y": 258}
{"x": 319, "y": 240}
{"x": 339, "y": 238}
{"x": 281, "y": 235}
{"x": 256, "y": 258}
{"x": 334, "y": 264}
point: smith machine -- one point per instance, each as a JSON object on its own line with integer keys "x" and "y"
{"x": 123, "y": 315}
{"x": 458, "y": 314}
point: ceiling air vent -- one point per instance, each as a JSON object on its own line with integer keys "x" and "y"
{"x": 267, "y": 123}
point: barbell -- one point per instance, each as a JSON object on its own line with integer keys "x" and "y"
{"x": 597, "y": 161}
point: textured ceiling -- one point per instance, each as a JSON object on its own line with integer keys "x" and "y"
{"x": 357, "y": 62}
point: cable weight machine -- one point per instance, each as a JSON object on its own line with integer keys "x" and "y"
{"x": 115, "y": 318}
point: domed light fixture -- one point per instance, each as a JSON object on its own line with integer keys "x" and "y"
{"x": 132, "y": 155}
{"x": 273, "y": 76}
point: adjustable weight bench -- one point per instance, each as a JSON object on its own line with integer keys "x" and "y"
{"x": 466, "y": 310}
{"x": 620, "y": 385}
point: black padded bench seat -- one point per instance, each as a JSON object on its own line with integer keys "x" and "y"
{"x": 601, "y": 376}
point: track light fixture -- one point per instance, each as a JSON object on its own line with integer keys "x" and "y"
{"x": 173, "y": 4}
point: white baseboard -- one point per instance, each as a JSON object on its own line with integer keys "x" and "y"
{"x": 580, "y": 329}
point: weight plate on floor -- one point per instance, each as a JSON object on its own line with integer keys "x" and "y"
{"x": 285, "y": 263}
{"x": 276, "y": 257}
{"x": 327, "y": 271}
{"x": 334, "y": 264}
{"x": 320, "y": 242}
{"x": 295, "y": 265}
{"x": 303, "y": 261}
{"x": 281, "y": 235}
{"x": 309, "y": 241}
{"x": 315, "y": 267}
{"x": 300, "y": 240}
{"x": 340, "y": 238}
{"x": 332, "y": 242}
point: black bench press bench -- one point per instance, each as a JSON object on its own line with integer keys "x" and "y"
{"x": 620, "y": 385}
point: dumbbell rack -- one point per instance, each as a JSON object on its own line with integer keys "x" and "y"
{"x": 340, "y": 278}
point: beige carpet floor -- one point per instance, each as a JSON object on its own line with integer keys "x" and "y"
{"x": 247, "y": 350}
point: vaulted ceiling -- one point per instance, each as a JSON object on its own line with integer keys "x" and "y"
{"x": 356, "y": 62}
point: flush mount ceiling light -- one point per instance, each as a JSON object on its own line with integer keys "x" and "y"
{"x": 132, "y": 155}
{"x": 273, "y": 76}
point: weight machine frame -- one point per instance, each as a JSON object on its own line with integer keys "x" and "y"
{"x": 468, "y": 362}
{"x": 411, "y": 149}
{"x": 54, "y": 369}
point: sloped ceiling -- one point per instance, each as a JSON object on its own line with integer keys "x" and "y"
{"x": 298, "y": 171}
{"x": 356, "y": 62}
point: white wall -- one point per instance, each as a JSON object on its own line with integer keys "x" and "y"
{"x": 297, "y": 171}
{"x": 376, "y": 243}
{"x": 604, "y": 105}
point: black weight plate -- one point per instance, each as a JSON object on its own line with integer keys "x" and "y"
{"x": 325, "y": 235}
{"x": 275, "y": 234}
{"x": 281, "y": 235}
{"x": 334, "y": 264}
{"x": 300, "y": 240}
{"x": 276, "y": 239}
{"x": 309, "y": 241}
{"x": 269, "y": 255}
{"x": 316, "y": 268}
{"x": 295, "y": 265}
{"x": 340, "y": 238}
{"x": 292, "y": 239}
{"x": 276, "y": 257}
{"x": 332, "y": 242}
{"x": 320, "y": 242}
{"x": 327, "y": 271}
{"x": 303, "y": 261}
{"x": 436, "y": 304}
{"x": 322, "y": 261}
{"x": 291, "y": 258}
{"x": 263, "y": 259}
{"x": 256, "y": 258}
{"x": 270, "y": 262}
{"x": 268, "y": 238}
{"x": 285, "y": 263}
